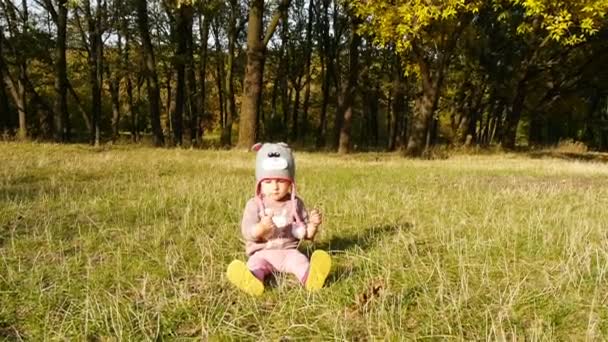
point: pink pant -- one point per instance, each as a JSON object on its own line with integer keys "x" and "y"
{"x": 266, "y": 261}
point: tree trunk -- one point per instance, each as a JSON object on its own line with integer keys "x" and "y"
{"x": 283, "y": 72}
{"x": 126, "y": 68}
{"x": 397, "y": 109}
{"x": 150, "y": 71}
{"x": 460, "y": 117}
{"x": 230, "y": 114}
{"x": 182, "y": 19}
{"x": 132, "y": 110}
{"x": 16, "y": 90}
{"x": 473, "y": 133}
{"x": 202, "y": 72}
{"x": 95, "y": 68}
{"x": 535, "y": 136}
{"x": 275, "y": 92}
{"x": 421, "y": 120}
{"x": 307, "y": 73}
{"x": 420, "y": 124}
{"x": 22, "y": 104}
{"x": 220, "y": 91}
{"x": 326, "y": 73}
{"x": 252, "y": 85}
{"x": 115, "y": 97}
{"x": 513, "y": 116}
{"x": 498, "y": 121}
{"x": 191, "y": 87}
{"x": 136, "y": 114}
{"x": 253, "y": 76}
{"x": 16, "y": 87}
{"x": 169, "y": 108}
{"x": 589, "y": 129}
{"x": 322, "y": 128}
{"x": 297, "y": 87}
{"x": 484, "y": 138}
{"x": 226, "y": 138}
{"x": 5, "y": 113}
{"x": 346, "y": 111}
{"x": 389, "y": 121}
{"x": 62, "y": 118}
{"x": 220, "y": 75}
{"x": 471, "y": 136}
{"x": 340, "y": 111}
{"x": 431, "y": 137}
{"x": 114, "y": 85}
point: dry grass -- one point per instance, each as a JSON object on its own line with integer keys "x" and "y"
{"x": 132, "y": 243}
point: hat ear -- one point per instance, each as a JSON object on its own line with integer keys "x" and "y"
{"x": 282, "y": 144}
{"x": 256, "y": 147}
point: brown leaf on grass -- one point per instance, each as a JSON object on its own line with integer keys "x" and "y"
{"x": 373, "y": 290}
{"x": 364, "y": 299}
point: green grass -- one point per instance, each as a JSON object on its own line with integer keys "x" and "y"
{"x": 132, "y": 243}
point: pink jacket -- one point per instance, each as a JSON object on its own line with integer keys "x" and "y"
{"x": 286, "y": 236}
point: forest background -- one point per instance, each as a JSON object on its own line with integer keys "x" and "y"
{"x": 127, "y": 239}
{"x": 321, "y": 74}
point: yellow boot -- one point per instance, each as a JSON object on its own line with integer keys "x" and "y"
{"x": 320, "y": 264}
{"x": 241, "y": 277}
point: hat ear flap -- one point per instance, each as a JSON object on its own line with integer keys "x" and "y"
{"x": 282, "y": 144}
{"x": 256, "y": 147}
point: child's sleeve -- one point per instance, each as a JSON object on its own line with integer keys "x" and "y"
{"x": 250, "y": 219}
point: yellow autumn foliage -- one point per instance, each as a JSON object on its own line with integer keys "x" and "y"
{"x": 403, "y": 21}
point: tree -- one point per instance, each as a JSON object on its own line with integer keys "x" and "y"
{"x": 6, "y": 124}
{"x": 307, "y": 69}
{"x": 256, "y": 54}
{"x": 329, "y": 54}
{"x": 204, "y": 25}
{"x": 233, "y": 29}
{"x": 150, "y": 73}
{"x": 183, "y": 25}
{"x": 59, "y": 15}
{"x": 427, "y": 33}
{"x": 93, "y": 44}
{"x": 345, "y": 110}
{"x": 16, "y": 85}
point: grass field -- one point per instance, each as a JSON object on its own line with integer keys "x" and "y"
{"x": 132, "y": 243}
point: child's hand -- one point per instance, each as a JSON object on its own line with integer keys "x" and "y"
{"x": 266, "y": 225}
{"x": 315, "y": 217}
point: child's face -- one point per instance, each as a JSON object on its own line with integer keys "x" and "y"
{"x": 275, "y": 189}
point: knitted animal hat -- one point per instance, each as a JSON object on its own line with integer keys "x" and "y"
{"x": 275, "y": 161}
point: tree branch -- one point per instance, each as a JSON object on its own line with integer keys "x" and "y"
{"x": 283, "y": 5}
{"x": 48, "y": 5}
{"x": 87, "y": 121}
{"x": 83, "y": 35}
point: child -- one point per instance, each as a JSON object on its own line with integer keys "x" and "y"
{"x": 273, "y": 224}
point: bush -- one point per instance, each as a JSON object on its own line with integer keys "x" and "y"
{"x": 571, "y": 146}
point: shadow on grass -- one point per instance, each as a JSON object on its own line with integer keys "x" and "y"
{"x": 363, "y": 240}
{"x": 30, "y": 187}
{"x": 588, "y": 156}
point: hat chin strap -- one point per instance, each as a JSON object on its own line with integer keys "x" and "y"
{"x": 294, "y": 201}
